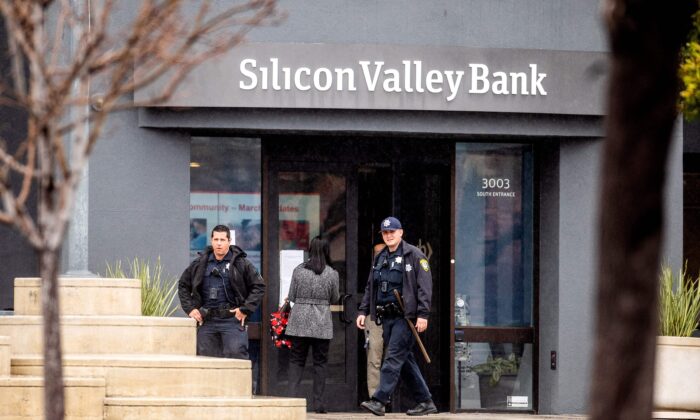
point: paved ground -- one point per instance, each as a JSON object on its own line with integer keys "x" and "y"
{"x": 446, "y": 416}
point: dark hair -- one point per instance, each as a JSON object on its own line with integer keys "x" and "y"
{"x": 221, "y": 228}
{"x": 319, "y": 255}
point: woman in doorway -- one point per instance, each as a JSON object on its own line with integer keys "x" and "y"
{"x": 313, "y": 289}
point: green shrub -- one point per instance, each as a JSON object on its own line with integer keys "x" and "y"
{"x": 497, "y": 367}
{"x": 689, "y": 72}
{"x": 157, "y": 295}
{"x": 678, "y": 309}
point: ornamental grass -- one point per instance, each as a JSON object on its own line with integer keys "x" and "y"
{"x": 157, "y": 294}
{"x": 679, "y": 303}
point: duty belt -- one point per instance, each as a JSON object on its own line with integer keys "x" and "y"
{"x": 220, "y": 312}
{"x": 389, "y": 310}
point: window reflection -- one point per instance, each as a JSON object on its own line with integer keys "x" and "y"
{"x": 494, "y": 376}
{"x": 493, "y": 283}
{"x": 225, "y": 185}
{"x": 311, "y": 204}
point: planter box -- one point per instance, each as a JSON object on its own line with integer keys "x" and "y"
{"x": 495, "y": 397}
{"x": 677, "y": 379}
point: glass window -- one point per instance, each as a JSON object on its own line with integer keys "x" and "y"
{"x": 493, "y": 261}
{"x": 312, "y": 204}
{"x": 493, "y": 376}
{"x": 493, "y": 276}
{"x": 225, "y": 186}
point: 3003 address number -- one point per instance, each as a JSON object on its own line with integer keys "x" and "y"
{"x": 500, "y": 183}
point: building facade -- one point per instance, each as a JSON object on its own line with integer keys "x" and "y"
{"x": 477, "y": 123}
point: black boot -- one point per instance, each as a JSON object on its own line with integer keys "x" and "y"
{"x": 423, "y": 409}
{"x": 373, "y": 406}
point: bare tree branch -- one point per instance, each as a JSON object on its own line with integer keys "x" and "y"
{"x": 68, "y": 85}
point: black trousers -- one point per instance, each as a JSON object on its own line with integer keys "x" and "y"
{"x": 297, "y": 360}
{"x": 222, "y": 338}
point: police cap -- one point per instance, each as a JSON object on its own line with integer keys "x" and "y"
{"x": 390, "y": 223}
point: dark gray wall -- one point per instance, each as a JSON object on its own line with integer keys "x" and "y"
{"x": 548, "y": 164}
{"x": 139, "y": 196}
{"x": 529, "y": 24}
{"x": 17, "y": 258}
{"x": 578, "y": 198}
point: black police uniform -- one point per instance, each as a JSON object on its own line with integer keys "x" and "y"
{"x": 406, "y": 270}
{"x": 214, "y": 287}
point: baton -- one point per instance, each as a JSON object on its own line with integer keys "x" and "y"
{"x": 413, "y": 327}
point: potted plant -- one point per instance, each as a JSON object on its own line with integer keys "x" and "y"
{"x": 497, "y": 380}
{"x": 677, "y": 375}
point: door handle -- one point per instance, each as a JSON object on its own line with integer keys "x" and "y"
{"x": 342, "y": 316}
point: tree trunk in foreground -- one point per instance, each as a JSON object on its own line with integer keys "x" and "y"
{"x": 53, "y": 373}
{"x": 645, "y": 40}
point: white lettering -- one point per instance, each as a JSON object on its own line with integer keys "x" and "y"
{"x": 263, "y": 77}
{"x": 275, "y": 74}
{"x": 249, "y": 74}
{"x": 454, "y": 84}
{"x": 433, "y": 77}
{"x": 371, "y": 82}
{"x": 287, "y": 78}
{"x": 536, "y": 85}
{"x": 479, "y": 77}
{"x": 317, "y": 79}
{"x": 407, "y": 76}
{"x": 351, "y": 79}
{"x": 297, "y": 78}
{"x": 500, "y": 84}
{"x": 514, "y": 77}
{"x": 419, "y": 76}
{"x": 392, "y": 83}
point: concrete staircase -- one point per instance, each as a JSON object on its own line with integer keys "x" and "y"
{"x": 120, "y": 365}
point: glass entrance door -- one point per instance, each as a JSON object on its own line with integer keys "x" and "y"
{"x": 494, "y": 351}
{"x": 311, "y": 200}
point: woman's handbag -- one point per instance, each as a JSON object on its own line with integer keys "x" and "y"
{"x": 278, "y": 326}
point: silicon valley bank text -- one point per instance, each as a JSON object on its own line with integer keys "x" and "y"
{"x": 410, "y": 77}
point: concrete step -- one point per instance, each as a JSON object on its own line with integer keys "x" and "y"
{"x": 263, "y": 408}
{"x": 104, "y": 334}
{"x": 134, "y": 375}
{"x": 81, "y": 296}
{"x": 23, "y": 398}
{"x": 4, "y": 356}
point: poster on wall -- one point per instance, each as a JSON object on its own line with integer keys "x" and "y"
{"x": 241, "y": 212}
{"x": 289, "y": 260}
{"x": 299, "y": 218}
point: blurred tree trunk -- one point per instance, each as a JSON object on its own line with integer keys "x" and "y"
{"x": 53, "y": 373}
{"x": 645, "y": 40}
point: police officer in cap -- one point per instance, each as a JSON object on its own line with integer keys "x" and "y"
{"x": 220, "y": 289}
{"x": 402, "y": 267}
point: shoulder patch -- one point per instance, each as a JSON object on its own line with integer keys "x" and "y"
{"x": 424, "y": 264}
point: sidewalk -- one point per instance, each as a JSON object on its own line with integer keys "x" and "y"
{"x": 445, "y": 416}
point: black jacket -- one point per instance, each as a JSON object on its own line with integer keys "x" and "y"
{"x": 245, "y": 281}
{"x": 417, "y": 285}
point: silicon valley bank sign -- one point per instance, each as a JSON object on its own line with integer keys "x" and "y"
{"x": 397, "y": 78}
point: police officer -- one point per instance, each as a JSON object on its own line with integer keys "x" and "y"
{"x": 402, "y": 267}
{"x": 220, "y": 289}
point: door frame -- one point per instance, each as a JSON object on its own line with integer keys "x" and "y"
{"x": 520, "y": 335}
{"x": 272, "y": 167}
